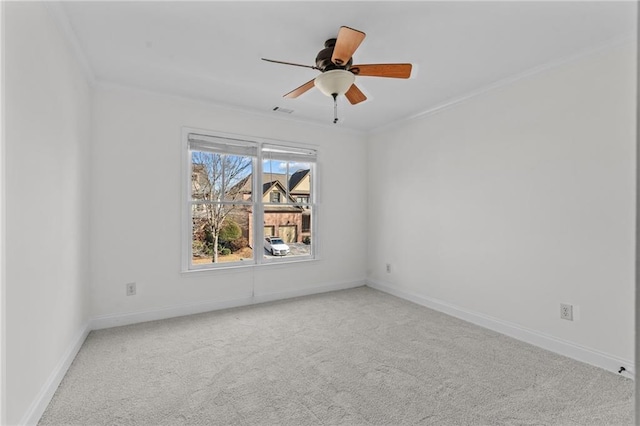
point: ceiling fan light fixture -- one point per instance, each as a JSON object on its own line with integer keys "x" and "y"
{"x": 334, "y": 82}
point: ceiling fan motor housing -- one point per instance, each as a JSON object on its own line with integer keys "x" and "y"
{"x": 323, "y": 60}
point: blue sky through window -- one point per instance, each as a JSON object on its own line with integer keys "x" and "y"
{"x": 280, "y": 166}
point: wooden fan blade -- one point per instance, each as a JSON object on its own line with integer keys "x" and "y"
{"x": 382, "y": 70}
{"x": 347, "y": 43}
{"x": 354, "y": 95}
{"x": 300, "y": 90}
{"x": 290, "y": 63}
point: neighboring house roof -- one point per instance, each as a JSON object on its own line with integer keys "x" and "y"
{"x": 244, "y": 186}
{"x": 267, "y": 186}
{"x": 296, "y": 178}
{"x": 270, "y": 186}
{"x": 280, "y": 177}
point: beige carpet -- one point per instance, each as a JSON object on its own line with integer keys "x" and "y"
{"x": 353, "y": 357}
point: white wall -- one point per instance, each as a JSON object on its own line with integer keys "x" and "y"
{"x": 509, "y": 203}
{"x": 136, "y": 209}
{"x": 47, "y": 121}
{"x": 3, "y": 228}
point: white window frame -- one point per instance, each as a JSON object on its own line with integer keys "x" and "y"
{"x": 290, "y": 151}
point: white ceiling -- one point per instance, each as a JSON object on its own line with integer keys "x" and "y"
{"x": 212, "y": 50}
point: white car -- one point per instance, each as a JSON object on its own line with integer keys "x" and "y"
{"x": 276, "y": 246}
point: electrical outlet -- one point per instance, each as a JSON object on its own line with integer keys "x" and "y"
{"x": 131, "y": 289}
{"x": 566, "y": 311}
{"x": 388, "y": 268}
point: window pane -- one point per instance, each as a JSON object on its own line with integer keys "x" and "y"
{"x": 237, "y": 172}
{"x": 217, "y": 177}
{"x": 287, "y": 231}
{"x": 275, "y": 182}
{"x": 300, "y": 182}
{"x": 225, "y": 226}
{"x": 293, "y": 177}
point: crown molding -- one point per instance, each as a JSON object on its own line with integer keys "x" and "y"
{"x": 532, "y": 72}
{"x": 57, "y": 12}
{"x": 210, "y": 103}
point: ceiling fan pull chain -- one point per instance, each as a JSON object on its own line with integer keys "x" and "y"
{"x": 335, "y": 108}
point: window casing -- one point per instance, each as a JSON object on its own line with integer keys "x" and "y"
{"x": 238, "y": 190}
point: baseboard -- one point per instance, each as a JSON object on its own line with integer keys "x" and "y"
{"x": 545, "y": 341}
{"x": 40, "y": 403}
{"x": 269, "y": 297}
{"x": 116, "y": 320}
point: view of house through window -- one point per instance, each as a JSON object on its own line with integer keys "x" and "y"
{"x": 287, "y": 215}
{"x": 230, "y": 223}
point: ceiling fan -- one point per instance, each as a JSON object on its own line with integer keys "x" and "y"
{"x": 338, "y": 73}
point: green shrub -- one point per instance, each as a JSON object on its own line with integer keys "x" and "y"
{"x": 230, "y": 231}
{"x": 225, "y": 251}
{"x": 307, "y": 240}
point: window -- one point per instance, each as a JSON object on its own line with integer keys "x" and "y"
{"x": 240, "y": 191}
{"x": 291, "y": 216}
{"x": 275, "y": 197}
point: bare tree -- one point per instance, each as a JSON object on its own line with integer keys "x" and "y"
{"x": 218, "y": 180}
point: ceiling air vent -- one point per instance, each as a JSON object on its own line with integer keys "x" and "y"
{"x": 283, "y": 110}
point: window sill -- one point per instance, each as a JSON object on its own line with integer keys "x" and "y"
{"x": 287, "y": 263}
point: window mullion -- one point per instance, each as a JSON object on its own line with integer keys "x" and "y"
{"x": 286, "y": 184}
{"x": 258, "y": 209}
{"x": 223, "y": 183}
